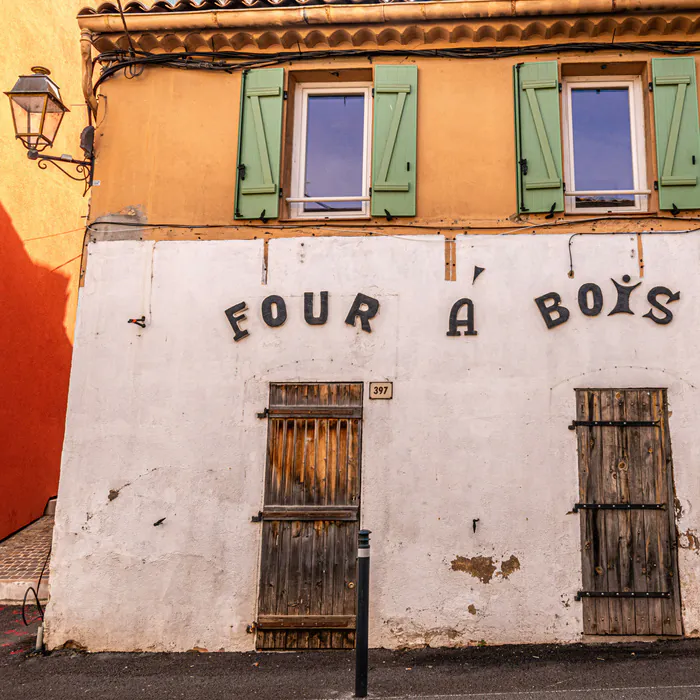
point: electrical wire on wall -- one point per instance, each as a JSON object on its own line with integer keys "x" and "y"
{"x": 363, "y": 229}
{"x": 673, "y": 47}
{"x": 376, "y": 229}
{"x": 132, "y": 48}
{"x": 133, "y": 61}
{"x": 623, "y": 233}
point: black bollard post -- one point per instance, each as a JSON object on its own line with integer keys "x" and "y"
{"x": 362, "y": 632}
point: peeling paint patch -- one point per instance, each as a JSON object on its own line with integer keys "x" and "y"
{"x": 72, "y": 644}
{"x": 689, "y": 540}
{"x": 482, "y": 568}
{"x": 472, "y": 609}
{"x": 678, "y": 507}
{"x": 111, "y": 227}
{"x": 509, "y": 566}
{"x": 450, "y": 633}
{"x": 412, "y": 636}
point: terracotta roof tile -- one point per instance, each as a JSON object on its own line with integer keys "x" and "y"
{"x": 141, "y": 6}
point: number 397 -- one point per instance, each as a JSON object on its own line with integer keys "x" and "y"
{"x": 380, "y": 390}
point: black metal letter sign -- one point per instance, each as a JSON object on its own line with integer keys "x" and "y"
{"x": 590, "y": 300}
{"x": 623, "y": 296}
{"x": 235, "y": 315}
{"x": 548, "y": 311}
{"x": 280, "y": 315}
{"x": 356, "y": 311}
{"x": 652, "y": 299}
{"x": 309, "y": 309}
{"x": 597, "y": 297}
{"x": 467, "y": 322}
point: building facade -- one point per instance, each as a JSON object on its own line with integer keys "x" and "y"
{"x": 42, "y": 227}
{"x": 427, "y": 268}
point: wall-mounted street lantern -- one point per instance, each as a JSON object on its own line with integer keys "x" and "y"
{"x": 37, "y": 112}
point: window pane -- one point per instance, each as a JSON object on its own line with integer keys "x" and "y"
{"x": 602, "y": 145}
{"x": 334, "y": 150}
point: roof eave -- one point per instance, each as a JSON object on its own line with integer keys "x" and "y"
{"x": 362, "y": 14}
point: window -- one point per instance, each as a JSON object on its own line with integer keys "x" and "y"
{"x": 604, "y": 155}
{"x": 331, "y": 151}
{"x": 346, "y": 136}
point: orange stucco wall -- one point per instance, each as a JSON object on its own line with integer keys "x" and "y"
{"x": 41, "y": 235}
{"x": 182, "y": 159}
{"x": 167, "y": 146}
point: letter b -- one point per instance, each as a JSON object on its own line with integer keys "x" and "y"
{"x": 562, "y": 313}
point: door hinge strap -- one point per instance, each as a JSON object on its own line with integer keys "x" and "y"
{"x": 313, "y": 412}
{"x": 297, "y": 513}
{"x": 614, "y": 424}
{"x": 296, "y": 622}
{"x": 618, "y": 506}
{"x": 622, "y": 594}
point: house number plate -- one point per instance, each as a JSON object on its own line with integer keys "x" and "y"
{"x": 381, "y": 390}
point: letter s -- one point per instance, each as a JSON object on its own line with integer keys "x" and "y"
{"x": 652, "y": 299}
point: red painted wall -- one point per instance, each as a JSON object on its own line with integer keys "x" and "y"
{"x": 41, "y": 238}
{"x": 35, "y": 356}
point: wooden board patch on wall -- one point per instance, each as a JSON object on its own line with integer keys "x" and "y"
{"x": 629, "y": 565}
{"x": 310, "y": 517}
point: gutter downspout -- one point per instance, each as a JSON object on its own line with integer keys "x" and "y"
{"x": 396, "y": 12}
{"x": 87, "y": 68}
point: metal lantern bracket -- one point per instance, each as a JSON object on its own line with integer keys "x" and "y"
{"x": 83, "y": 168}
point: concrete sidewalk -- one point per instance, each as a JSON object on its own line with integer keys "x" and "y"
{"x": 668, "y": 670}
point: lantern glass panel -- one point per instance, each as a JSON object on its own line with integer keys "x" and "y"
{"x": 28, "y": 111}
{"x": 54, "y": 114}
{"x": 37, "y": 118}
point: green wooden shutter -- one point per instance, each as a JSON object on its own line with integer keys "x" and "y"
{"x": 260, "y": 143}
{"x": 394, "y": 141}
{"x": 677, "y": 132}
{"x": 538, "y": 137}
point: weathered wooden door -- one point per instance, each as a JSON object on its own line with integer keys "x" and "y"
{"x": 310, "y": 517}
{"x": 628, "y": 534}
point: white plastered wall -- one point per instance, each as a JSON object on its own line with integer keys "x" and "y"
{"x": 162, "y": 424}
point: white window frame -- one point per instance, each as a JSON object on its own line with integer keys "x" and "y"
{"x": 637, "y": 134}
{"x": 297, "y": 198}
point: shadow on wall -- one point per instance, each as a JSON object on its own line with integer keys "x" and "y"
{"x": 35, "y": 357}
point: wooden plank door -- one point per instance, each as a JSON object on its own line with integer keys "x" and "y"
{"x": 310, "y": 517}
{"x": 628, "y": 533}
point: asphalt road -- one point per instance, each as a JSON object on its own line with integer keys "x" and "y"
{"x": 651, "y": 671}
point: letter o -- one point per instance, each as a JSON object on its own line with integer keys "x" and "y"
{"x": 597, "y": 307}
{"x": 280, "y": 315}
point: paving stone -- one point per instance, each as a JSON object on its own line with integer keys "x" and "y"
{"x": 23, "y": 555}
